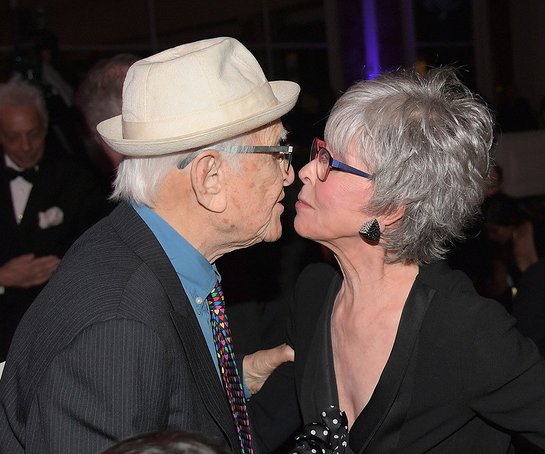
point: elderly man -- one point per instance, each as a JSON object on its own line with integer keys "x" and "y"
{"x": 46, "y": 202}
{"x": 130, "y": 335}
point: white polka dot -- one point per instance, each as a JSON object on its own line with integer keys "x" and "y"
{"x": 323, "y": 413}
{"x": 335, "y": 436}
{"x": 335, "y": 421}
{"x": 313, "y": 432}
{"x": 325, "y": 432}
{"x": 344, "y": 443}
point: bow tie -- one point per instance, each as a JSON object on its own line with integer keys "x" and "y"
{"x": 28, "y": 174}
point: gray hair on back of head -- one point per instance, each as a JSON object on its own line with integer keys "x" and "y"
{"x": 427, "y": 138}
{"x": 18, "y": 92}
{"x": 99, "y": 95}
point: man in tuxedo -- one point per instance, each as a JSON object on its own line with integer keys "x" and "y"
{"x": 130, "y": 334}
{"x": 46, "y": 203}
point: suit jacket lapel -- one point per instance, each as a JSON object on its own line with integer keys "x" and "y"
{"x": 46, "y": 184}
{"x": 386, "y": 410}
{"x": 6, "y": 202}
{"x": 8, "y": 225}
{"x": 144, "y": 243}
{"x": 205, "y": 374}
{"x": 318, "y": 390}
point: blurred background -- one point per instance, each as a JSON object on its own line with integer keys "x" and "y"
{"x": 324, "y": 44}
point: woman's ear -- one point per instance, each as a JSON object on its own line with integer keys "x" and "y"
{"x": 395, "y": 216}
{"x": 208, "y": 180}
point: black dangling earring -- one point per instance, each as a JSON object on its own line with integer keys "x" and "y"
{"x": 370, "y": 231}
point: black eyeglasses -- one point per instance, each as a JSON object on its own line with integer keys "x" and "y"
{"x": 325, "y": 163}
{"x": 284, "y": 152}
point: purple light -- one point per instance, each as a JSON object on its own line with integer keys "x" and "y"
{"x": 370, "y": 38}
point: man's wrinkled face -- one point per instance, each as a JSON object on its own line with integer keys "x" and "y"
{"x": 257, "y": 190}
{"x": 22, "y": 134}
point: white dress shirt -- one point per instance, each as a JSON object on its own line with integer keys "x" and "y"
{"x": 20, "y": 191}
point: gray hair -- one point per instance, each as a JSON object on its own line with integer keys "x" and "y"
{"x": 427, "y": 139}
{"x": 18, "y": 92}
{"x": 100, "y": 93}
{"x": 138, "y": 179}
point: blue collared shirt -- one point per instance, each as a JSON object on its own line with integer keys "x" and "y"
{"x": 197, "y": 275}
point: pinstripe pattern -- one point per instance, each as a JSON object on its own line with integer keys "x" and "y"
{"x": 109, "y": 349}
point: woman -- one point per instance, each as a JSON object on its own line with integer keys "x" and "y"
{"x": 395, "y": 339}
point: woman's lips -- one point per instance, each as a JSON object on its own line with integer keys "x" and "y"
{"x": 301, "y": 204}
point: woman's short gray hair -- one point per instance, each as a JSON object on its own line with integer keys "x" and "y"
{"x": 138, "y": 179}
{"x": 427, "y": 139}
{"x": 18, "y": 92}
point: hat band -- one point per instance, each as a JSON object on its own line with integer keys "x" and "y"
{"x": 257, "y": 101}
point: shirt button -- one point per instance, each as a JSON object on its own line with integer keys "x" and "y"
{"x": 198, "y": 300}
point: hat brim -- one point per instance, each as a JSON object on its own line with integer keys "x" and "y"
{"x": 111, "y": 130}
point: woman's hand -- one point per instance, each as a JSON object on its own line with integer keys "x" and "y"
{"x": 259, "y": 365}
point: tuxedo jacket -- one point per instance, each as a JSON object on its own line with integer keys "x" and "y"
{"x": 109, "y": 349}
{"x": 63, "y": 183}
{"x": 459, "y": 378}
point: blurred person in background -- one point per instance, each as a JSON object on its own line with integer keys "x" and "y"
{"x": 98, "y": 98}
{"x": 47, "y": 201}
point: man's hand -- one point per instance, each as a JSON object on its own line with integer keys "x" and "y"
{"x": 27, "y": 271}
{"x": 259, "y": 365}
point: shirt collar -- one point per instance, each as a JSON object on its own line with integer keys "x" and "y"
{"x": 9, "y": 163}
{"x": 197, "y": 275}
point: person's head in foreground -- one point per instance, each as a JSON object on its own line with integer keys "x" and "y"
{"x": 168, "y": 442}
{"x": 403, "y": 167}
{"x": 201, "y": 131}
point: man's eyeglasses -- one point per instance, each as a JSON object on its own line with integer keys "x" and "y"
{"x": 324, "y": 162}
{"x": 284, "y": 152}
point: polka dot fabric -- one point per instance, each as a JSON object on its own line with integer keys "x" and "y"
{"x": 329, "y": 436}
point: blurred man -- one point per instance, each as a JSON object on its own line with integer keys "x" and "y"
{"x": 46, "y": 203}
{"x": 99, "y": 98}
{"x": 130, "y": 335}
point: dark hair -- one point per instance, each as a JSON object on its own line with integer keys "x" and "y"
{"x": 500, "y": 209}
{"x": 169, "y": 442}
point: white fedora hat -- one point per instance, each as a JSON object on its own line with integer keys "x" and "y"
{"x": 194, "y": 95}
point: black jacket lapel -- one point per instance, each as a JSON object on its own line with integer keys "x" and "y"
{"x": 318, "y": 390}
{"x": 384, "y": 412}
{"x": 144, "y": 243}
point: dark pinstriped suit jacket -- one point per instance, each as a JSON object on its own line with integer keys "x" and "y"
{"x": 109, "y": 349}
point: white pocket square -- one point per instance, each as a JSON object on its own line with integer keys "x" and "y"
{"x": 50, "y": 218}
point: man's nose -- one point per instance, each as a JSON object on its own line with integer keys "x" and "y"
{"x": 25, "y": 142}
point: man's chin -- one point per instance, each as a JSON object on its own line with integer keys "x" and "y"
{"x": 273, "y": 237}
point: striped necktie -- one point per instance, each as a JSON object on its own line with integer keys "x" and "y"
{"x": 229, "y": 372}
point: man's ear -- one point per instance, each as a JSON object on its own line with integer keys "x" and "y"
{"x": 208, "y": 180}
